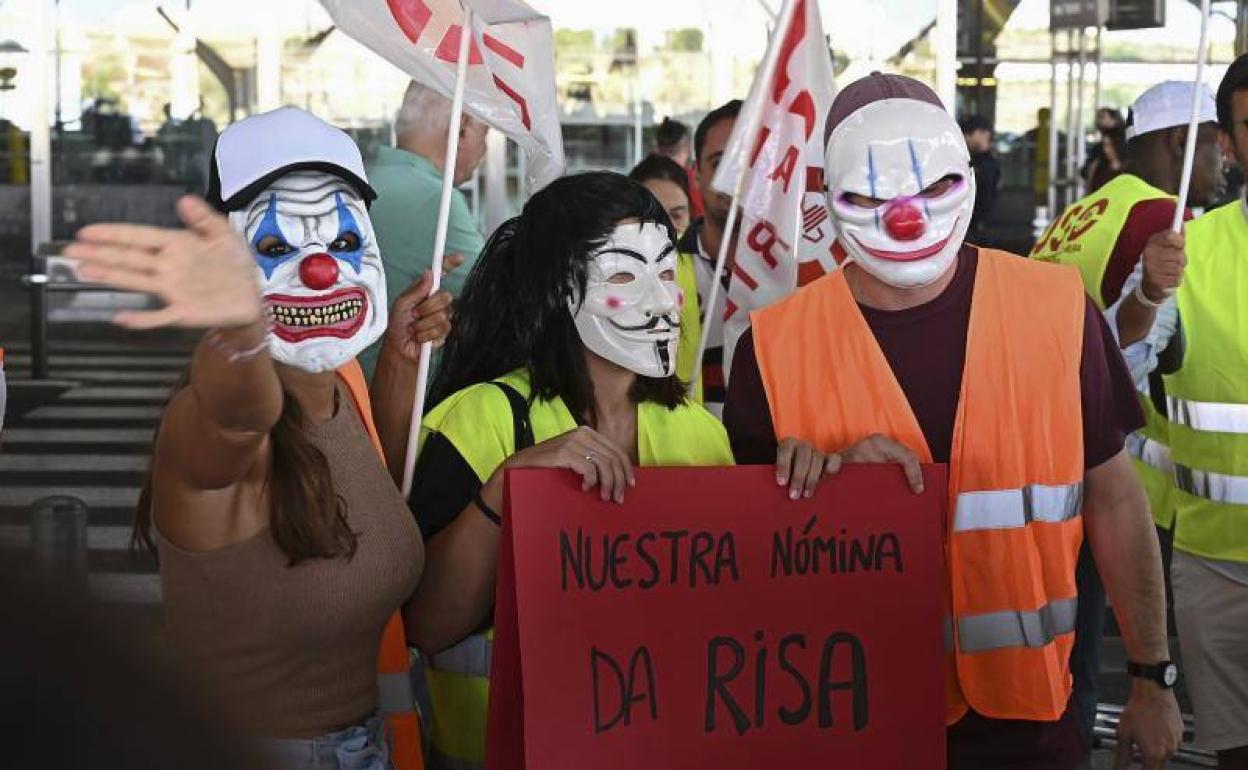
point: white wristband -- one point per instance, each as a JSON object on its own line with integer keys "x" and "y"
{"x": 1143, "y": 299}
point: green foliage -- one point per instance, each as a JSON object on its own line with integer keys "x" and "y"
{"x": 104, "y": 75}
{"x": 688, "y": 40}
{"x": 574, "y": 39}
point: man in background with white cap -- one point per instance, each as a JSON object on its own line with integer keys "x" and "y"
{"x": 874, "y": 363}
{"x": 1104, "y": 235}
{"x": 1207, "y": 395}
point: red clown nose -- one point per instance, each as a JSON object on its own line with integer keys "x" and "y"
{"x": 904, "y": 221}
{"x": 319, "y": 271}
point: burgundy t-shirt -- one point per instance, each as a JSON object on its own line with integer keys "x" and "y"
{"x": 1144, "y": 219}
{"x": 926, "y": 348}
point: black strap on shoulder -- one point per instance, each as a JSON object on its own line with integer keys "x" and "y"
{"x": 519, "y": 416}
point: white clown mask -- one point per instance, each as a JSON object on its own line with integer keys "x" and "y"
{"x": 319, "y": 269}
{"x": 900, "y": 190}
{"x": 630, "y": 313}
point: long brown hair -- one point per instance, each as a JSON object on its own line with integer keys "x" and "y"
{"x": 307, "y": 516}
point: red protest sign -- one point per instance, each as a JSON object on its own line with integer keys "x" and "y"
{"x": 712, "y": 622}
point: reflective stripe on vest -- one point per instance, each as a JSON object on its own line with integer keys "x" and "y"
{"x": 1149, "y": 448}
{"x": 471, "y": 657}
{"x": 1218, "y": 487}
{"x": 1015, "y": 472}
{"x": 999, "y": 630}
{"x": 1085, "y": 235}
{"x": 1152, "y": 453}
{"x": 1008, "y": 508}
{"x": 1205, "y": 415}
{"x": 1208, "y": 394}
{"x": 394, "y": 692}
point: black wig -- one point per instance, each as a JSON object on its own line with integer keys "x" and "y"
{"x": 513, "y": 311}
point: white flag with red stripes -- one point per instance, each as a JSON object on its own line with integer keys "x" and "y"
{"x": 785, "y": 236}
{"x": 511, "y": 73}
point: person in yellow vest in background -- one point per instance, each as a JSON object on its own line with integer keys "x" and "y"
{"x": 919, "y": 350}
{"x": 563, "y": 355}
{"x": 1207, "y": 396}
{"x": 699, "y": 249}
{"x": 1103, "y": 235}
{"x": 667, "y": 182}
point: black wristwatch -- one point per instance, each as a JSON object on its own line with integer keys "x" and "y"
{"x": 1165, "y": 674}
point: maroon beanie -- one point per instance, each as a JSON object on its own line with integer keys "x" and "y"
{"x": 873, "y": 88}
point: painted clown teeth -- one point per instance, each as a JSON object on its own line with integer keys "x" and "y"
{"x": 323, "y": 315}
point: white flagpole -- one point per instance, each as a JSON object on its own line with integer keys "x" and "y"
{"x": 439, "y": 241}
{"x": 1189, "y": 152}
{"x": 756, "y": 118}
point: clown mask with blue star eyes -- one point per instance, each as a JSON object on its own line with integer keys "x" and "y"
{"x": 319, "y": 269}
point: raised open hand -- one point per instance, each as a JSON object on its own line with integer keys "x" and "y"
{"x": 418, "y": 317}
{"x": 204, "y": 273}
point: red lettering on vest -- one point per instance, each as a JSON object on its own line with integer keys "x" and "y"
{"x": 1091, "y": 215}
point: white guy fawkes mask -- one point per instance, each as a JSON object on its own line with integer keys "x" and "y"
{"x": 900, "y": 190}
{"x": 630, "y": 314}
{"x": 320, "y": 270}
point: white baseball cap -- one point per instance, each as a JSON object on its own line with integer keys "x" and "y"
{"x": 1169, "y": 104}
{"x": 255, "y": 151}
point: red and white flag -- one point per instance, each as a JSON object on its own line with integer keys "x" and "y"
{"x": 511, "y": 63}
{"x": 785, "y": 236}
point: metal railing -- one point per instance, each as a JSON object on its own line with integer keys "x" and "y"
{"x": 41, "y": 280}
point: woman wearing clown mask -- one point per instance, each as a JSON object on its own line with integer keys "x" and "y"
{"x": 570, "y": 319}
{"x": 285, "y": 548}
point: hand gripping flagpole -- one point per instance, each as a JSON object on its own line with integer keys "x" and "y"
{"x": 755, "y": 119}
{"x": 1189, "y": 151}
{"x": 439, "y": 241}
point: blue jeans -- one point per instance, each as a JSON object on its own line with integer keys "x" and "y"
{"x": 363, "y": 747}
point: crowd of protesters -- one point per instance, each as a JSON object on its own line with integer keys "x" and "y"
{"x": 1094, "y": 418}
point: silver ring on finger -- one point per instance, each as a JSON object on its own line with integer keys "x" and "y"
{"x": 591, "y": 459}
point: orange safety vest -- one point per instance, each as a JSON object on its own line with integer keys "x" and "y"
{"x": 1015, "y": 474}
{"x": 396, "y": 701}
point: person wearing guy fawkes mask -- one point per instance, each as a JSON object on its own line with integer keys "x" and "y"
{"x": 563, "y": 356}
{"x": 285, "y": 547}
{"x": 916, "y": 351}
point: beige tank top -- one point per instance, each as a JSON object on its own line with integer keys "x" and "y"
{"x": 293, "y": 650}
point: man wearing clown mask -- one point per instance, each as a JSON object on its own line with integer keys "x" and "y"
{"x": 563, "y": 356}
{"x": 285, "y": 547}
{"x": 926, "y": 349}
